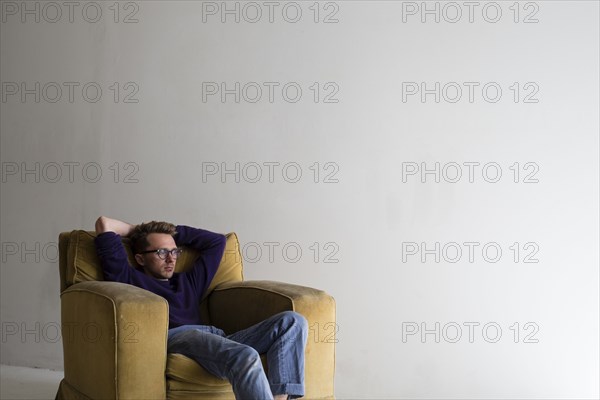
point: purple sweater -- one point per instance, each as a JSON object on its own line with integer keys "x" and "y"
{"x": 184, "y": 290}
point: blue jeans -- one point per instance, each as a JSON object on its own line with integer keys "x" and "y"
{"x": 236, "y": 357}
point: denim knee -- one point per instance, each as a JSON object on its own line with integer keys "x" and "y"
{"x": 292, "y": 318}
{"x": 245, "y": 357}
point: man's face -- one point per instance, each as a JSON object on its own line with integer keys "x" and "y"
{"x": 153, "y": 265}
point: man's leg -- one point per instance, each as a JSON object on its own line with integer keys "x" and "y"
{"x": 225, "y": 358}
{"x": 283, "y": 338}
{"x": 205, "y": 328}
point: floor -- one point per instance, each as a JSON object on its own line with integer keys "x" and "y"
{"x": 28, "y": 383}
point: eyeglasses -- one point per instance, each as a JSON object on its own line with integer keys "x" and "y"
{"x": 162, "y": 253}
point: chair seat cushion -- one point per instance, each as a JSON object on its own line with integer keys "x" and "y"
{"x": 183, "y": 373}
{"x": 184, "y": 369}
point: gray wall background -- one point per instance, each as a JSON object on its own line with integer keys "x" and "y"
{"x": 364, "y": 224}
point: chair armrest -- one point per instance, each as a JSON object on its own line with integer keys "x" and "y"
{"x": 114, "y": 340}
{"x": 237, "y": 305}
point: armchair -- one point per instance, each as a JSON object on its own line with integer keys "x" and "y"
{"x": 115, "y": 335}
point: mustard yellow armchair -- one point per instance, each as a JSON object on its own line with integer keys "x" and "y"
{"x": 115, "y": 335}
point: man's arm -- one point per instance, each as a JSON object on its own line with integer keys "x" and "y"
{"x": 110, "y": 250}
{"x": 105, "y": 224}
{"x": 200, "y": 239}
{"x": 211, "y": 246}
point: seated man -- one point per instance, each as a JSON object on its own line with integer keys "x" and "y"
{"x": 235, "y": 357}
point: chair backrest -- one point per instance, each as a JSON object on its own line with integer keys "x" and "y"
{"x": 78, "y": 261}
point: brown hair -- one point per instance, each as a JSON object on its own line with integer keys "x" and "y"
{"x": 139, "y": 242}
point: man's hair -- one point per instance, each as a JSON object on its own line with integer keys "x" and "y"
{"x": 139, "y": 241}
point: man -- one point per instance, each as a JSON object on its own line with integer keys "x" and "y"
{"x": 235, "y": 357}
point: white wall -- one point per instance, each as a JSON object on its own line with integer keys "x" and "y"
{"x": 362, "y": 211}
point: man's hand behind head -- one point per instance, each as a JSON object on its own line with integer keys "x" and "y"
{"x": 105, "y": 224}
